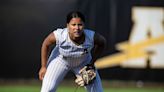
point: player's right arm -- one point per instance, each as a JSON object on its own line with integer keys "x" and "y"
{"x": 48, "y": 41}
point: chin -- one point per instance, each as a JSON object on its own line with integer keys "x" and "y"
{"x": 77, "y": 36}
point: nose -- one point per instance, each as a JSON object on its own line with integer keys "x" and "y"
{"x": 77, "y": 27}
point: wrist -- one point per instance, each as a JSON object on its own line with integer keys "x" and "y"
{"x": 91, "y": 62}
{"x": 43, "y": 66}
{"x": 90, "y": 66}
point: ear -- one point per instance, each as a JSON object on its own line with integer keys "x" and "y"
{"x": 67, "y": 24}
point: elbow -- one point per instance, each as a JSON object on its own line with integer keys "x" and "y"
{"x": 103, "y": 43}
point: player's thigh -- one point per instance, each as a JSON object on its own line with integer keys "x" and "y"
{"x": 55, "y": 72}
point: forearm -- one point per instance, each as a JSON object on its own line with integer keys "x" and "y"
{"x": 99, "y": 46}
{"x": 45, "y": 49}
{"x": 96, "y": 53}
{"x": 44, "y": 55}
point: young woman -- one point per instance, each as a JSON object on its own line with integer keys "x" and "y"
{"x": 75, "y": 48}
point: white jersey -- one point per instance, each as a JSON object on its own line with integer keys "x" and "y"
{"x": 68, "y": 56}
{"x": 73, "y": 54}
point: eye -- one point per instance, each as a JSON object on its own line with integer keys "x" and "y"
{"x": 73, "y": 24}
{"x": 80, "y": 24}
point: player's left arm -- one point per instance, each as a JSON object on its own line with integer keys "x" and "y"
{"x": 87, "y": 73}
{"x": 99, "y": 46}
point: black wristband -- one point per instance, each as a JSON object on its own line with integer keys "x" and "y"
{"x": 90, "y": 66}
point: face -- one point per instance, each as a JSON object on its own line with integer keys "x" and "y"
{"x": 75, "y": 27}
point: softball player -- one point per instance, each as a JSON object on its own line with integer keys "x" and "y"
{"x": 75, "y": 48}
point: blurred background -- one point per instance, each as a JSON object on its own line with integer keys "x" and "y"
{"x": 134, "y": 30}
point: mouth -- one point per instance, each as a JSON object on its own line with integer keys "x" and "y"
{"x": 77, "y": 33}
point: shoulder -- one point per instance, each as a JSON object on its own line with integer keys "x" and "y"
{"x": 99, "y": 39}
{"x": 60, "y": 31}
{"x": 89, "y": 32}
{"x": 60, "y": 34}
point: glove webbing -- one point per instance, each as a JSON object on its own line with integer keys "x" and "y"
{"x": 85, "y": 75}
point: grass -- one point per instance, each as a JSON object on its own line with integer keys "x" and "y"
{"x": 70, "y": 87}
{"x": 19, "y": 88}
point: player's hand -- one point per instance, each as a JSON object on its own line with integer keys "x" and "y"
{"x": 91, "y": 74}
{"x": 79, "y": 81}
{"x": 87, "y": 75}
{"x": 42, "y": 72}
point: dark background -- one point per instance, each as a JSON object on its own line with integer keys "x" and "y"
{"x": 25, "y": 23}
